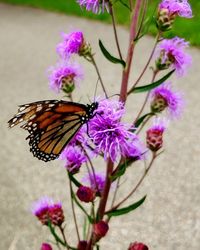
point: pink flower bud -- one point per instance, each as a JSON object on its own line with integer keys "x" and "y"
{"x": 137, "y": 246}
{"x": 85, "y": 194}
{"x": 101, "y": 229}
{"x": 56, "y": 214}
{"x": 46, "y": 246}
{"x": 82, "y": 245}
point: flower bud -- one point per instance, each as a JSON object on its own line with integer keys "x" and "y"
{"x": 158, "y": 104}
{"x": 154, "y": 135}
{"x": 137, "y": 246}
{"x": 82, "y": 245}
{"x": 85, "y": 194}
{"x": 46, "y": 246}
{"x": 67, "y": 83}
{"x": 85, "y": 50}
{"x": 100, "y": 229}
{"x": 56, "y": 214}
{"x": 165, "y": 19}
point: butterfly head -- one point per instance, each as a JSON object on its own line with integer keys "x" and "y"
{"x": 91, "y": 108}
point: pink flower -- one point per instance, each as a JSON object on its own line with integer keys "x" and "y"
{"x": 46, "y": 246}
{"x": 74, "y": 157}
{"x": 171, "y": 53}
{"x": 163, "y": 97}
{"x": 96, "y": 6}
{"x": 71, "y": 44}
{"x": 179, "y": 7}
{"x": 45, "y": 209}
{"x": 65, "y": 76}
{"x": 154, "y": 135}
{"x": 110, "y": 136}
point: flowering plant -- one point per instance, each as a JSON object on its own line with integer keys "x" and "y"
{"x": 106, "y": 135}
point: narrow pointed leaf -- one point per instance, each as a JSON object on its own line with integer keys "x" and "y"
{"x": 126, "y": 210}
{"x": 142, "y": 118}
{"x": 152, "y": 85}
{"x": 109, "y": 56}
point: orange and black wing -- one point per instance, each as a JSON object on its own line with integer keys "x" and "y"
{"x": 51, "y": 125}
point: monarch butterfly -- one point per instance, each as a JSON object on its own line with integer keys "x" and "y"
{"x": 52, "y": 124}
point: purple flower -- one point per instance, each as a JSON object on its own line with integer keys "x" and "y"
{"x": 46, "y": 209}
{"x": 179, "y": 7}
{"x": 110, "y": 136}
{"x": 96, "y": 6}
{"x": 65, "y": 75}
{"x": 95, "y": 181}
{"x": 171, "y": 53}
{"x": 164, "y": 97}
{"x": 74, "y": 157}
{"x": 71, "y": 44}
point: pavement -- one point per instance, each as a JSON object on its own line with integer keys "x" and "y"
{"x": 169, "y": 218}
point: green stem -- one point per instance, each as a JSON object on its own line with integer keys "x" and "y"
{"x": 99, "y": 75}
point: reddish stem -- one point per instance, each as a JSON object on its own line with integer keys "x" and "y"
{"x": 133, "y": 32}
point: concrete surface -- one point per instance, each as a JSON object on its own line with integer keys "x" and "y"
{"x": 169, "y": 219}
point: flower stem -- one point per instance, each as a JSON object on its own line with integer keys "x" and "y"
{"x": 73, "y": 210}
{"x": 126, "y": 71}
{"x": 146, "y": 66}
{"x": 111, "y": 11}
{"x": 64, "y": 237}
{"x": 138, "y": 184}
{"x": 98, "y": 73}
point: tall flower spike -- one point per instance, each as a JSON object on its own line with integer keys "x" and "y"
{"x": 177, "y": 7}
{"x": 96, "y": 6}
{"x": 65, "y": 76}
{"x": 163, "y": 97}
{"x": 171, "y": 53}
{"x": 110, "y": 136}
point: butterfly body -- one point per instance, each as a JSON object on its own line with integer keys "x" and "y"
{"x": 52, "y": 124}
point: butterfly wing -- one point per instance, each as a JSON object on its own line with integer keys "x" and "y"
{"x": 51, "y": 125}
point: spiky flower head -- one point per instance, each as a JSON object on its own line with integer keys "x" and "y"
{"x": 73, "y": 43}
{"x": 74, "y": 157}
{"x": 100, "y": 229}
{"x": 65, "y": 76}
{"x": 96, "y": 6}
{"x": 163, "y": 97}
{"x": 46, "y": 210}
{"x": 177, "y": 7}
{"x": 154, "y": 135}
{"x": 171, "y": 54}
{"x": 110, "y": 136}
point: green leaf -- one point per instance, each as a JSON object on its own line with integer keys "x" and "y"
{"x": 125, "y": 5}
{"x": 74, "y": 180}
{"x": 142, "y": 118}
{"x": 152, "y": 85}
{"x": 121, "y": 170}
{"x": 109, "y": 56}
{"x": 126, "y": 210}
